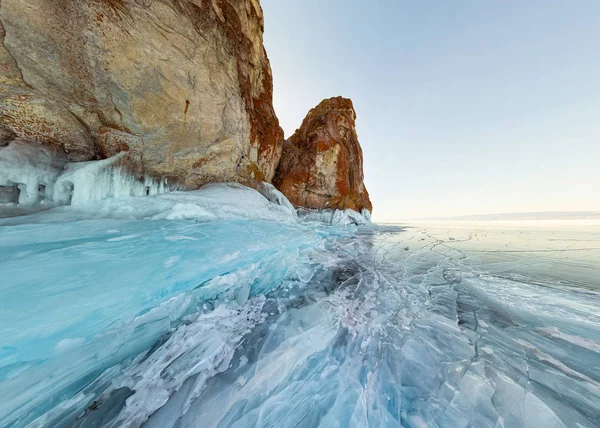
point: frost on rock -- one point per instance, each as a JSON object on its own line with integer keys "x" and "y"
{"x": 219, "y": 201}
{"x": 28, "y": 173}
{"x": 84, "y": 182}
{"x": 275, "y": 196}
{"x": 335, "y": 217}
{"x": 366, "y": 214}
{"x": 35, "y": 177}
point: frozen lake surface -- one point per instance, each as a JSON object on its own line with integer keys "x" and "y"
{"x": 253, "y": 322}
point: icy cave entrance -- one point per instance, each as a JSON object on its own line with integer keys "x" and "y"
{"x": 34, "y": 178}
{"x": 9, "y": 194}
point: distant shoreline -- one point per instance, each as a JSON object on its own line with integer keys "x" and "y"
{"x": 590, "y": 225}
{"x": 527, "y": 216}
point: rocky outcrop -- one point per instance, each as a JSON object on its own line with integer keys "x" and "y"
{"x": 322, "y": 165}
{"x": 183, "y": 85}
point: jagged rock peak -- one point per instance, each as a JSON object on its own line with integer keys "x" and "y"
{"x": 321, "y": 165}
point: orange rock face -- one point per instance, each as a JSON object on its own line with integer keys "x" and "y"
{"x": 322, "y": 164}
{"x": 184, "y": 86}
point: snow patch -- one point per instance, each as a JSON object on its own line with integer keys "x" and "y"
{"x": 180, "y": 238}
{"x": 67, "y": 345}
{"x": 122, "y": 238}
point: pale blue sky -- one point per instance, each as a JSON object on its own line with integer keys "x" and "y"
{"x": 464, "y": 106}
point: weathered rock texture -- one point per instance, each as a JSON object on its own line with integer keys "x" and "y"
{"x": 184, "y": 85}
{"x": 322, "y": 165}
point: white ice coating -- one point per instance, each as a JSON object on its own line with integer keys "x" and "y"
{"x": 28, "y": 167}
{"x": 335, "y": 217}
{"x": 103, "y": 189}
{"x": 275, "y": 196}
{"x": 45, "y": 179}
{"x": 219, "y": 201}
{"x": 84, "y": 182}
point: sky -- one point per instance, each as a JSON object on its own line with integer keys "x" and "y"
{"x": 463, "y": 106}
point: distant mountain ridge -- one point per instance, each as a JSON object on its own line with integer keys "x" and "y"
{"x": 548, "y": 215}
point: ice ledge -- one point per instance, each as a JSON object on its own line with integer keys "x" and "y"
{"x": 335, "y": 217}
{"x": 36, "y": 178}
{"x": 218, "y": 201}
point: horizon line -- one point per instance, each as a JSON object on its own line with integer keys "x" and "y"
{"x": 575, "y": 215}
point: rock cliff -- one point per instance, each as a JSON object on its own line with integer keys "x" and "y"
{"x": 183, "y": 85}
{"x": 322, "y": 165}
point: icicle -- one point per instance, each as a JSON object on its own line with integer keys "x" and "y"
{"x": 31, "y": 175}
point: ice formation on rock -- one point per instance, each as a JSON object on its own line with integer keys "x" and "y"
{"x": 218, "y": 201}
{"x": 31, "y": 170}
{"x": 35, "y": 177}
{"x": 83, "y": 182}
{"x": 336, "y": 217}
{"x": 108, "y": 189}
{"x": 275, "y": 196}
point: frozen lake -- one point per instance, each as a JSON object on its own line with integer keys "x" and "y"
{"x": 249, "y": 323}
